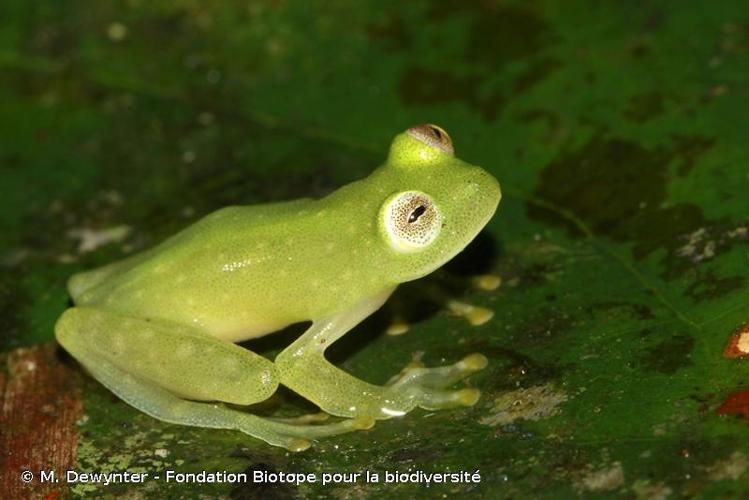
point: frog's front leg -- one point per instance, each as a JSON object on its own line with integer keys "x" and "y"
{"x": 303, "y": 368}
{"x": 168, "y": 370}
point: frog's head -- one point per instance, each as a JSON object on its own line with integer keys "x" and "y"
{"x": 439, "y": 203}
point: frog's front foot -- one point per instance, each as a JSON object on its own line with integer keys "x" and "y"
{"x": 427, "y": 387}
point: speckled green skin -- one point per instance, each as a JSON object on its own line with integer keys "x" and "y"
{"x": 156, "y": 328}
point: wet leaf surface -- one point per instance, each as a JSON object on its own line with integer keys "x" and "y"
{"x": 619, "y": 134}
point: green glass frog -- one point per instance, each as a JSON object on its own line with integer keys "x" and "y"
{"x": 158, "y": 328}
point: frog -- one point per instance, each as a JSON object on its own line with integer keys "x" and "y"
{"x": 160, "y": 328}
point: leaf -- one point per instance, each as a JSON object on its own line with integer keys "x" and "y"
{"x": 618, "y": 132}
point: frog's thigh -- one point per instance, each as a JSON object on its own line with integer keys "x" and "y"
{"x": 180, "y": 359}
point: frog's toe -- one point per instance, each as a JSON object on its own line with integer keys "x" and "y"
{"x": 363, "y": 423}
{"x": 486, "y": 282}
{"x": 439, "y": 377}
{"x": 432, "y": 399}
{"x": 310, "y": 418}
{"x": 297, "y": 444}
{"x": 399, "y": 326}
{"x": 474, "y": 362}
{"x": 469, "y": 396}
{"x": 475, "y": 315}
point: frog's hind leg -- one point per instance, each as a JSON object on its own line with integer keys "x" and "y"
{"x": 163, "y": 368}
{"x": 163, "y": 405}
{"x": 81, "y": 284}
{"x": 176, "y": 357}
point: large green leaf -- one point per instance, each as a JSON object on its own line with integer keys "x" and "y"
{"x": 619, "y": 132}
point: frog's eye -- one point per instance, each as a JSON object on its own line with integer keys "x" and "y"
{"x": 411, "y": 220}
{"x": 434, "y": 136}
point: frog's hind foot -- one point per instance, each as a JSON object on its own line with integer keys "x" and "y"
{"x": 309, "y": 426}
{"x": 428, "y": 385}
{"x": 313, "y": 431}
{"x": 310, "y": 418}
{"x": 137, "y": 360}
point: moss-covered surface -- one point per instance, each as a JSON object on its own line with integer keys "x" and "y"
{"x": 619, "y": 132}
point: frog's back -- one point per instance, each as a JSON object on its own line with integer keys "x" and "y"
{"x": 243, "y": 272}
{"x": 91, "y": 287}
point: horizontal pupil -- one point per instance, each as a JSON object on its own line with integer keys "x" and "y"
{"x": 416, "y": 214}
